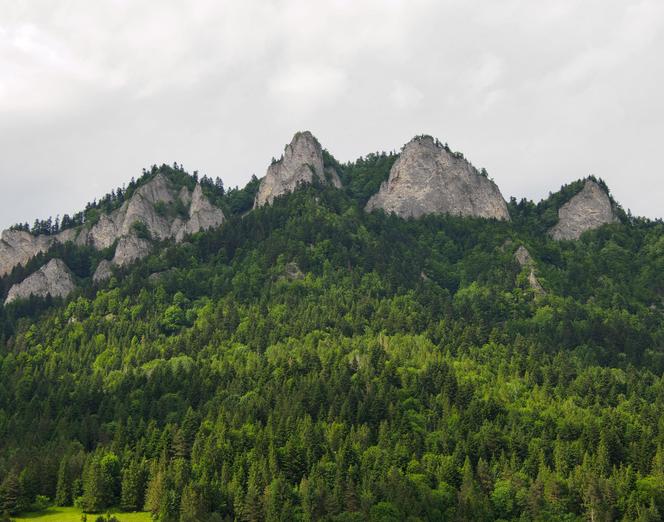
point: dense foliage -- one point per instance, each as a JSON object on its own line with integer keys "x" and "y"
{"x": 309, "y": 361}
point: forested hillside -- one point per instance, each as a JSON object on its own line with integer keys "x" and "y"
{"x": 309, "y": 361}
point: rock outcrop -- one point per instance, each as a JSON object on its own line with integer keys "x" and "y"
{"x": 302, "y": 162}
{"x": 526, "y": 261}
{"x": 130, "y": 248}
{"x": 103, "y": 272}
{"x": 429, "y": 179}
{"x": 18, "y": 247}
{"x": 153, "y": 205}
{"x": 54, "y": 279}
{"x": 203, "y": 215}
{"x": 589, "y": 209}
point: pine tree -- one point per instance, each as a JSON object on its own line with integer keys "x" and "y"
{"x": 63, "y": 494}
{"x": 192, "y": 508}
{"x": 133, "y": 486}
{"x": 252, "y": 506}
{"x": 472, "y": 504}
{"x": 10, "y": 494}
{"x": 93, "y": 486}
{"x": 155, "y": 496}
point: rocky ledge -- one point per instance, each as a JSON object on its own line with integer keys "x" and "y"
{"x": 54, "y": 279}
{"x": 429, "y": 179}
{"x": 302, "y": 162}
{"x": 589, "y": 209}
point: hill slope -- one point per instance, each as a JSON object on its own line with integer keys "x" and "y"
{"x": 309, "y": 360}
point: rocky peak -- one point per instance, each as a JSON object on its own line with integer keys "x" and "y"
{"x": 152, "y": 205}
{"x": 589, "y": 209}
{"x": 54, "y": 279}
{"x": 429, "y": 179}
{"x": 203, "y": 215}
{"x": 301, "y": 162}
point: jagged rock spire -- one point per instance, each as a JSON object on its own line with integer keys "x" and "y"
{"x": 301, "y": 163}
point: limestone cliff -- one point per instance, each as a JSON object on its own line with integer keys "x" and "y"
{"x": 152, "y": 205}
{"x": 103, "y": 271}
{"x": 130, "y": 248}
{"x": 54, "y": 279}
{"x": 429, "y": 179}
{"x": 589, "y": 209}
{"x": 18, "y": 247}
{"x": 202, "y": 215}
{"x": 302, "y": 162}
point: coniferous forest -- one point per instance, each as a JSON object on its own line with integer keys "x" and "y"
{"x": 311, "y": 361}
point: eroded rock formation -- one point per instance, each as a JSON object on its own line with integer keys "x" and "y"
{"x": 301, "y": 163}
{"x": 589, "y": 209}
{"x": 525, "y": 260}
{"x": 54, "y": 279}
{"x": 103, "y": 271}
{"x": 429, "y": 179}
{"x": 152, "y": 207}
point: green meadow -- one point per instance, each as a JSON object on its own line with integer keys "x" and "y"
{"x": 71, "y": 514}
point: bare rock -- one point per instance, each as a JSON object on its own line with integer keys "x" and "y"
{"x": 149, "y": 205}
{"x": 142, "y": 208}
{"x": 185, "y": 196}
{"x": 203, "y": 215}
{"x": 535, "y": 284}
{"x": 103, "y": 272}
{"x": 525, "y": 260}
{"x": 106, "y": 231}
{"x": 301, "y": 163}
{"x": 589, "y": 209}
{"x": 130, "y": 249}
{"x": 54, "y": 279}
{"x": 292, "y": 271}
{"x": 17, "y": 247}
{"x": 71, "y": 234}
{"x": 523, "y": 257}
{"x": 428, "y": 179}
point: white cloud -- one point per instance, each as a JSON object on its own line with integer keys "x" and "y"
{"x": 405, "y": 96}
{"x": 538, "y": 92}
{"x": 306, "y": 86}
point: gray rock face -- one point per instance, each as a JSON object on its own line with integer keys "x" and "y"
{"x": 130, "y": 249}
{"x": 301, "y": 163}
{"x": 54, "y": 279}
{"x": 589, "y": 209}
{"x": 202, "y": 215}
{"x": 427, "y": 179}
{"x": 526, "y": 261}
{"x": 523, "y": 257}
{"x": 18, "y": 247}
{"x": 146, "y": 206}
{"x": 103, "y": 272}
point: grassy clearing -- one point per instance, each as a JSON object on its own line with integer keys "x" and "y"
{"x": 70, "y": 514}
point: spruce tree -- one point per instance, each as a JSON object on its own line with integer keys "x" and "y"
{"x": 63, "y": 496}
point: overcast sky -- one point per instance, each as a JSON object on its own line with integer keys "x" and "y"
{"x": 538, "y": 92}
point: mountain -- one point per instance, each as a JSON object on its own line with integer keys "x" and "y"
{"x": 429, "y": 179}
{"x": 178, "y": 350}
{"x": 302, "y": 162}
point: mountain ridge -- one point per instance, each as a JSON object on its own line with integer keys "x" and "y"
{"x": 426, "y": 178}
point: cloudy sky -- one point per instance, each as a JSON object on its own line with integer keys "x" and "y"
{"x": 538, "y": 92}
